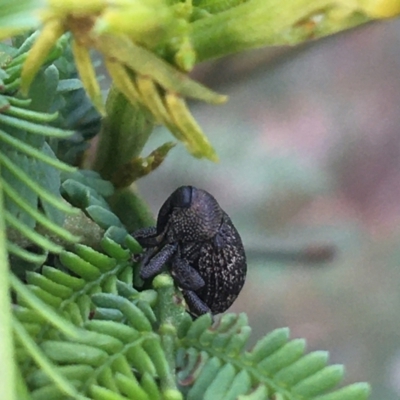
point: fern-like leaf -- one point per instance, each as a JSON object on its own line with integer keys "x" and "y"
{"x": 112, "y": 356}
{"x": 213, "y": 363}
{"x": 30, "y": 172}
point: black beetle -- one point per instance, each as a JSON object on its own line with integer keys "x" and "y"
{"x": 202, "y": 248}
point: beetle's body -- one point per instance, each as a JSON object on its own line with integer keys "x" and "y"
{"x": 204, "y": 251}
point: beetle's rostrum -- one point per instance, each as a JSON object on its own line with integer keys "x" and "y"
{"x": 196, "y": 239}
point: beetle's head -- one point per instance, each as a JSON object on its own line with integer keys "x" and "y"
{"x": 189, "y": 215}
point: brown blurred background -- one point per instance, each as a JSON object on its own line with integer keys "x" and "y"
{"x": 309, "y": 148}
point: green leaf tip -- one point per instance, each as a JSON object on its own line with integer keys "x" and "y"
{"x": 172, "y": 394}
{"x": 163, "y": 281}
{"x": 355, "y": 391}
{"x": 103, "y": 217}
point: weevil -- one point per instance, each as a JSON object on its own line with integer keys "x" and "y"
{"x": 198, "y": 242}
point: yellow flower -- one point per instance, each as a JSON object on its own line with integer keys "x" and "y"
{"x": 125, "y": 32}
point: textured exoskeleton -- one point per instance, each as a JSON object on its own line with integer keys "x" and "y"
{"x": 201, "y": 247}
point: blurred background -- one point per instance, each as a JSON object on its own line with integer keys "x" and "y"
{"x": 309, "y": 147}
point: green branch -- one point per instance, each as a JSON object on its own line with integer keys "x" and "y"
{"x": 124, "y": 132}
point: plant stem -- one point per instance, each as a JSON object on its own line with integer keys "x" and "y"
{"x": 257, "y": 23}
{"x": 124, "y": 132}
{"x": 7, "y": 370}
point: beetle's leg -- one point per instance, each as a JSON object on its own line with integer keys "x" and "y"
{"x": 145, "y": 232}
{"x": 147, "y": 237}
{"x": 185, "y": 275}
{"x": 196, "y": 306}
{"x": 151, "y": 266}
{"x": 145, "y": 257}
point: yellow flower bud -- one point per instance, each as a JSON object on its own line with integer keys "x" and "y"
{"x": 88, "y": 75}
{"x": 48, "y": 37}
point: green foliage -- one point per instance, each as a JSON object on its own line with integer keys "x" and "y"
{"x": 85, "y": 326}
{"x": 214, "y": 364}
{"x": 86, "y": 300}
{"x": 30, "y": 170}
{"x": 31, "y": 173}
{"x": 124, "y": 340}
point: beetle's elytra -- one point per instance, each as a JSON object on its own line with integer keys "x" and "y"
{"x": 201, "y": 247}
